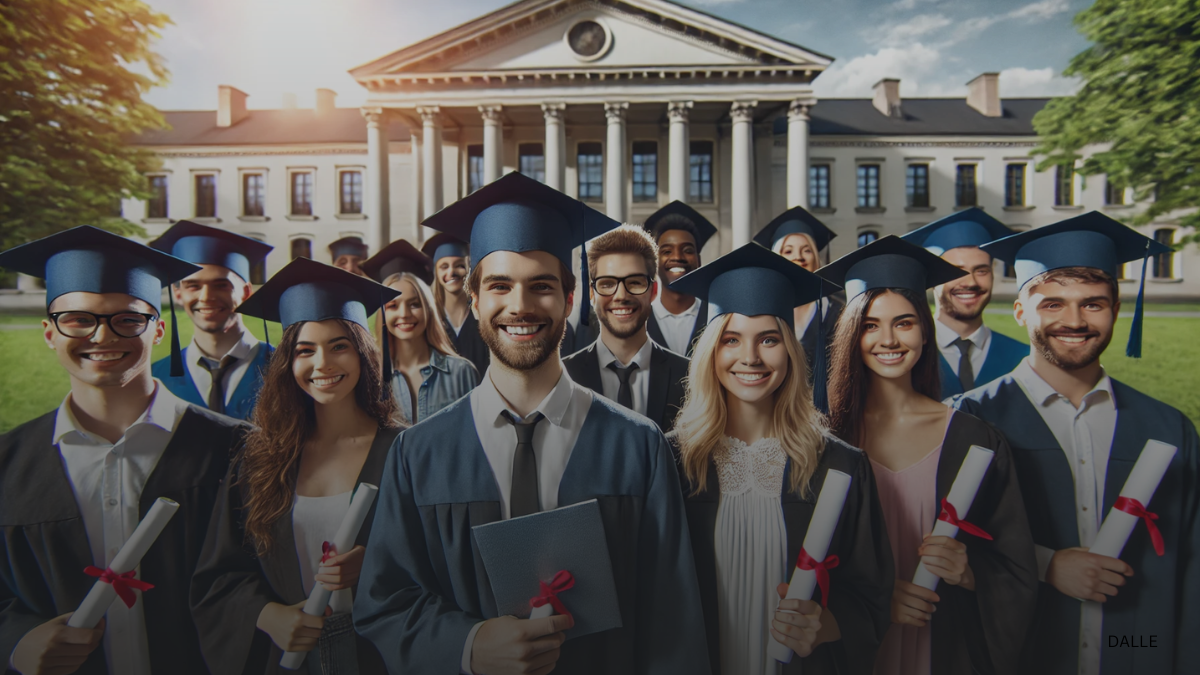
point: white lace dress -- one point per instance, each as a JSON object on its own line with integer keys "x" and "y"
{"x": 751, "y": 547}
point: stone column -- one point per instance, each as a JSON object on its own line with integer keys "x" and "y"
{"x": 431, "y": 159}
{"x": 797, "y": 153}
{"x": 556, "y": 145}
{"x": 378, "y": 204}
{"x": 493, "y": 142}
{"x": 614, "y": 170}
{"x": 679, "y": 154}
{"x": 741, "y": 184}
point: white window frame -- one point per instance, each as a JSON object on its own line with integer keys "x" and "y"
{"x": 337, "y": 191}
{"x": 216, "y": 174}
{"x": 242, "y": 173}
{"x": 166, "y": 218}
{"x": 292, "y": 171}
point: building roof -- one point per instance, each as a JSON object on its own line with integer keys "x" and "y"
{"x": 266, "y": 127}
{"x": 921, "y": 117}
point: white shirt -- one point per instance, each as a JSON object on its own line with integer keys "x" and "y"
{"x": 980, "y": 341}
{"x": 565, "y": 409}
{"x": 108, "y": 479}
{"x": 1085, "y": 436}
{"x": 244, "y": 351}
{"x": 676, "y": 328}
{"x": 639, "y": 381}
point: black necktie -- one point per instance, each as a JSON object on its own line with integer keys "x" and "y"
{"x": 216, "y": 393}
{"x": 966, "y": 374}
{"x": 524, "y": 497}
{"x": 624, "y": 392}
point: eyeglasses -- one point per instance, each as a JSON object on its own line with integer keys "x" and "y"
{"x": 635, "y": 284}
{"x": 84, "y": 324}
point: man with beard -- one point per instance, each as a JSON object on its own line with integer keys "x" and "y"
{"x": 349, "y": 253}
{"x": 680, "y": 233}
{"x": 224, "y": 363}
{"x": 527, "y": 439}
{"x": 623, "y": 363}
{"x": 971, "y": 353}
{"x": 1072, "y": 426}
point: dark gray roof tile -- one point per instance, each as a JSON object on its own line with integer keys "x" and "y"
{"x": 265, "y": 127}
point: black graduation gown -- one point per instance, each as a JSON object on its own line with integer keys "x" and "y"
{"x": 808, "y": 341}
{"x": 45, "y": 546}
{"x": 656, "y": 333}
{"x": 232, "y": 584}
{"x": 665, "y": 395}
{"x": 469, "y": 343}
{"x": 860, "y": 587}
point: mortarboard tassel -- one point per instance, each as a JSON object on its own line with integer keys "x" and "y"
{"x": 1133, "y": 348}
{"x": 585, "y": 303}
{"x": 266, "y": 334}
{"x": 176, "y": 352}
{"x": 821, "y": 367}
{"x": 387, "y": 350}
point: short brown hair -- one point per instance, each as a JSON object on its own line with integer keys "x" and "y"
{"x": 564, "y": 274}
{"x": 624, "y": 239}
{"x": 1082, "y": 275}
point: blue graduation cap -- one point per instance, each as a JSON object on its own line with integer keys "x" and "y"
{"x": 348, "y": 246}
{"x": 399, "y": 256}
{"x": 442, "y": 245}
{"x": 889, "y": 262}
{"x": 204, "y": 245}
{"x": 91, "y": 260}
{"x": 1089, "y": 240}
{"x": 972, "y": 227}
{"x": 796, "y": 220}
{"x": 519, "y": 214}
{"x": 677, "y": 216}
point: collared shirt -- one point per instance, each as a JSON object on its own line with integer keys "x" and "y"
{"x": 639, "y": 381}
{"x": 445, "y": 379}
{"x": 565, "y": 409}
{"x": 676, "y": 328}
{"x": 244, "y": 351}
{"x": 108, "y": 479}
{"x": 1085, "y": 435}
{"x": 980, "y": 341}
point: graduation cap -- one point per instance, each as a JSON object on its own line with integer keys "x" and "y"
{"x": 1089, "y": 240}
{"x": 795, "y": 220}
{"x": 399, "y": 256}
{"x": 442, "y": 245}
{"x": 519, "y": 214}
{"x": 92, "y": 260}
{"x": 205, "y": 245}
{"x": 972, "y": 227}
{"x": 348, "y": 246}
{"x": 889, "y": 262}
{"x": 672, "y": 214}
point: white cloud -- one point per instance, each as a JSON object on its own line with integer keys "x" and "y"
{"x": 714, "y": 3}
{"x": 916, "y": 65}
{"x": 1021, "y": 82}
{"x": 1039, "y": 11}
{"x": 909, "y": 31}
{"x": 907, "y": 5}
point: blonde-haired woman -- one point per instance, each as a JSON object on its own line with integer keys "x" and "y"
{"x": 753, "y": 453}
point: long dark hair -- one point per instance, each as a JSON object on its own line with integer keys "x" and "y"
{"x": 285, "y": 419}
{"x": 848, "y": 375}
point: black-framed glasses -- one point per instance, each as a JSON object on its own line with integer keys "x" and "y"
{"x": 79, "y": 324}
{"x": 635, "y": 284}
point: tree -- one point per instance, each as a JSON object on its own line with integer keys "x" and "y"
{"x": 72, "y": 76}
{"x": 1139, "y": 103}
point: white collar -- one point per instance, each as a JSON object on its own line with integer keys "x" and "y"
{"x": 661, "y": 309}
{"x": 1042, "y": 394}
{"x": 946, "y": 335}
{"x": 553, "y": 407}
{"x": 641, "y": 358}
{"x": 239, "y": 351}
{"x": 163, "y": 412}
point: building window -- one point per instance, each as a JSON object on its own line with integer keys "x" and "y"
{"x": 301, "y": 248}
{"x": 916, "y": 185}
{"x": 818, "y": 186}
{"x": 302, "y": 191}
{"x": 868, "y": 186}
{"x": 1114, "y": 195}
{"x": 645, "y": 171}
{"x": 1064, "y": 185}
{"x": 258, "y": 269}
{"x": 965, "y": 193}
{"x": 1014, "y": 185}
{"x": 206, "y": 195}
{"x": 1164, "y": 264}
{"x": 474, "y": 168}
{"x": 532, "y": 161}
{"x": 350, "y": 192}
{"x": 867, "y": 237}
{"x": 157, "y": 206}
{"x": 590, "y": 167}
{"x": 253, "y": 194}
{"x": 700, "y": 172}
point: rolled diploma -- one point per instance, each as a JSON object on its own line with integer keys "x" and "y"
{"x": 343, "y": 540}
{"x": 102, "y": 595}
{"x": 816, "y": 543}
{"x": 1143, "y": 480}
{"x": 541, "y": 612}
{"x": 962, "y": 494}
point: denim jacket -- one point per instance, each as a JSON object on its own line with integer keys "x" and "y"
{"x": 446, "y": 379}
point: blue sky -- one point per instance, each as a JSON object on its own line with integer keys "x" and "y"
{"x": 271, "y": 47}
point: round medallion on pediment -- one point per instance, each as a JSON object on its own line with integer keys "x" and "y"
{"x": 588, "y": 39}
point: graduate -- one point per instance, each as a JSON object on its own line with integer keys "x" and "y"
{"x": 753, "y": 453}
{"x": 75, "y": 482}
{"x": 623, "y": 363}
{"x": 349, "y": 253}
{"x": 883, "y": 397}
{"x": 528, "y": 439}
{"x": 224, "y": 364}
{"x": 970, "y": 353}
{"x": 451, "y": 262}
{"x": 324, "y": 424}
{"x": 1076, "y": 434}
{"x": 680, "y": 233}
{"x": 397, "y": 257}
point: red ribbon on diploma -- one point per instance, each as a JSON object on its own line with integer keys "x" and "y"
{"x": 950, "y": 515}
{"x": 806, "y": 562}
{"x": 121, "y": 583}
{"x": 549, "y": 592}
{"x": 328, "y": 551}
{"x": 1134, "y": 508}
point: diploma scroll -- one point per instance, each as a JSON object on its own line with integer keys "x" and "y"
{"x": 962, "y": 494}
{"x": 816, "y": 545}
{"x": 343, "y": 540}
{"x": 100, "y": 598}
{"x": 1143, "y": 480}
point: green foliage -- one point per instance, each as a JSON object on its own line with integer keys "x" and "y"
{"x": 1140, "y": 102}
{"x": 72, "y": 76}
